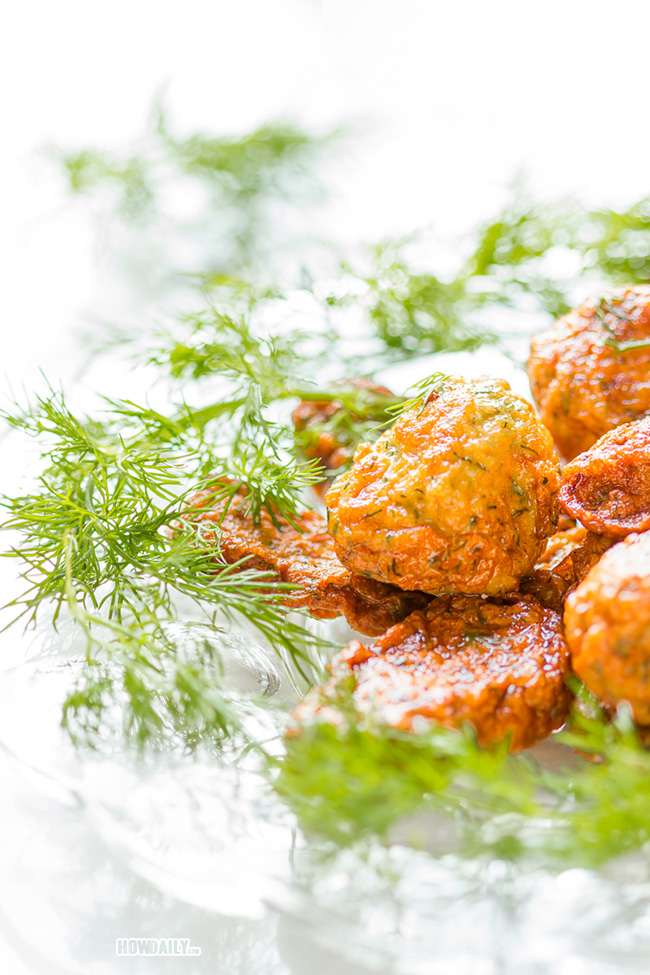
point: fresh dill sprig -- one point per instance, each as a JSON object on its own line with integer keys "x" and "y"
{"x": 512, "y": 250}
{"x": 329, "y": 428}
{"x": 261, "y": 371}
{"x": 626, "y": 346}
{"x": 216, "y": 342}
{"x": 103, "y": 534}
{"x": 271, "y": 160}
{"x": 423, "y": 390}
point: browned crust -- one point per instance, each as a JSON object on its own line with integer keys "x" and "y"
{"x": 607, "y": 487}
{"x": 498, "y": 664}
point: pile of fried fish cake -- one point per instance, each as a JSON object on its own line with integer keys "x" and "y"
{"x": 484, "y": 570}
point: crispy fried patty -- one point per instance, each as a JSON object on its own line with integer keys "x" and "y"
{"x": 499, "y": 665}
{"x": 458, "y": 496}
{"x": 582, "y": 384}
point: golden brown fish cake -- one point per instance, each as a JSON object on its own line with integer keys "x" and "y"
{"x": 499, "y": 665}
{"x": 585, "y": 387}
{"x": 458, "y": 496}
{"x": 302, "y": 556}
{"x": 568, "y": 557}
{"x": 607, "y": 623}
{"x": 607, "y": 487}
{"x": 332, "y": 445}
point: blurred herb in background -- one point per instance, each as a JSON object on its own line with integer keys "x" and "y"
{"x": 219, "y": 213}
{"x": 206, "y": 205}
{"x": 603, "y": 245}
{"x": 537, "y": 258}
{"x": 413, "y": 311}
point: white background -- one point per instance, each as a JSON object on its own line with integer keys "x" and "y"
{"x": 451, "y": 100}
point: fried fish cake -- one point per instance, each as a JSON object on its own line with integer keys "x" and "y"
{"x": 607, "y": 624}
{"x": 607, "y": 487}
{"x": 499, "y": 665}
{"x": 568, "y": 557}
{"x": 458, "y": 496}
{"x": 584, "y": 380}
{"x": 302, "y": 556}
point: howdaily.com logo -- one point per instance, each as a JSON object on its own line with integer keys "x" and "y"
{"x": 155, "y": 946}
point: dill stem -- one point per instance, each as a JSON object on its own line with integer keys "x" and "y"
{"x": 627, "y": 346}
